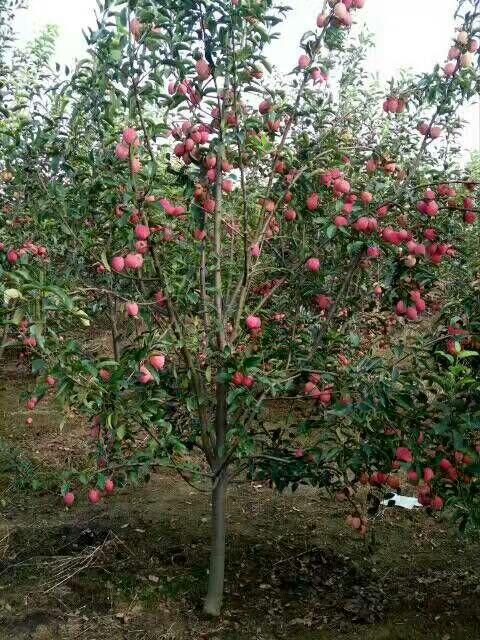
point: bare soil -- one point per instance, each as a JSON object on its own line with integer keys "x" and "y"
{"x": 134, "y": 566}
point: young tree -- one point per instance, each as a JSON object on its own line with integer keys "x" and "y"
{"x": 252, "y": 233}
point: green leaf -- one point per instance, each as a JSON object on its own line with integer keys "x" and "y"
{"x": 83, "y": 479}
{"x": 37, "y": 366}
{"x": 354, "y": 339}
{"x": 458, "y": 441}
{"x": 60, "y": 293}
{"x": 473, "y": 469}
{"x": 331, "y": 231}
{"x": 252, "y": 361}
{"x": 18, "y": 316}
{"x": 467, "y": 354}
{"x": 355, "y": 247}
{"x": 101, "y": 481}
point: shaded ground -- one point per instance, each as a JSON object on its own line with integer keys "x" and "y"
{"x": 135, "y": 567}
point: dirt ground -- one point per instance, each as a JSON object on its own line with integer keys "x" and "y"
{"x": 134, "y": 567}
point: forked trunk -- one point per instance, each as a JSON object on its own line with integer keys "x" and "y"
{"x": 213, "y": 601}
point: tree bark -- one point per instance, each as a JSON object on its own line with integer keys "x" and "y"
{"x": 115, "y": 336}
{"x": 216, "y": 577}
{"x": 4, "y": 342}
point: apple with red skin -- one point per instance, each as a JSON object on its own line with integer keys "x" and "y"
{"x": 313, "y": 264}
{"x": 237, "y": 379}
{"x": 160, "y": 298}
{"x": 428, "y": 474}
{"x": 109, "y": 487}
{"x": 135, "y": 27}
{"x": 248, "y": 382}
{"x": 253, "y": 322}
{"x": 255, "y": 250}
{"x": 104, "y": 375}
{"x": 450, "y": 68}
{"x": 304, "y": 61}
{"x": 366, "y": 197}
{"x": 403, "y": 454}
{"x": 142, "y": 232}
{"x": 132, "y": 309}
{"x": 264, "y": 107}
{"x": 157, "y": 361}
{"x": 411, "y": 313}
{"x": 130, "y": 137}
{"x": 69, "y": 498}
{"x": 424, "y": 128}
{"x": 436, "y": 503}
{"x": 118, "y": 264}
{"x": 445, "y": 465}
{"x": 133, "y": 261}
{"x": 31, "y": 403}
{"x": 94, "y": 496}
{"x": 400, "y": 308}
{"x": 144, "y": 375}
{"x": 393, "y": 482}
{"x": 122, "y": 151}
{"x": 313, "y": 202}
{"x": 412, "y": 476}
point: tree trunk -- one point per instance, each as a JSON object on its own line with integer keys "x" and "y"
{"x": 115, "y": 336}
{"x": 4, "y": 344}
{"x": 213, "y": 601}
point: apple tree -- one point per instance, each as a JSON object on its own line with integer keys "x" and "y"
{"x": 250, "y": 242}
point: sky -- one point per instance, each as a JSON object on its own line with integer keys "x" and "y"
{"x": 412, "y": 34}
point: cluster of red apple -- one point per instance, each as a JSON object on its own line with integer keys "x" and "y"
{"x": 94, "y": 494}
{"x": 157, "y": 362}
{"x": 447, "y": 472}
{"x": 190, "y": 137}
{"x": 341, "y": 15}
{"x": 412, "y": 311}
{"x": 394, "y": 105}
{"x": 239, "y": 379}
{"x": 50, "y": 381}
{"x": 13, "y": 255}
{"x": 312, "y": 390}
{"x": 186, "y": 88}
{"x": 317, "y": 75}
{"x": 265, "y": 288}
{"x": 359, "y": 523}
{"x": 460, "y": 55}
{"x": 123, "y": 150}
{"x": 429, "y": 130}
{"x": 132, "y": 262}
{"x": 323, "y": 302}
